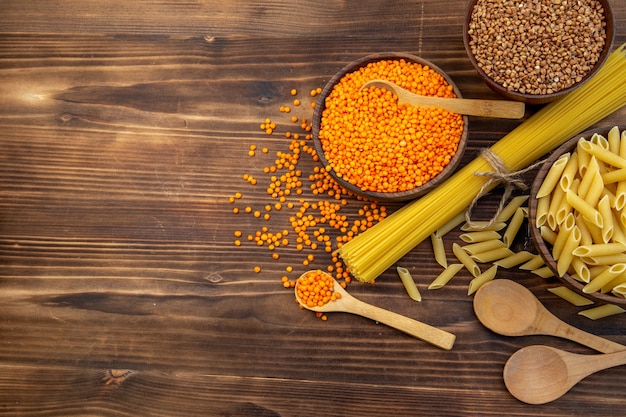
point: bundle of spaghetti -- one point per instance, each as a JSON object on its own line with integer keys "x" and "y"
{"x": 369, "y": 254}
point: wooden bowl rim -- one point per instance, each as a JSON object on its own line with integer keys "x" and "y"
{"x": 540, "y": 244}
{"x": 534, "y": 99}
{"x": 396, "y": 196}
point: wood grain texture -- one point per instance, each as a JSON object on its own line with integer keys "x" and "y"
{"x": 124, "y": 128}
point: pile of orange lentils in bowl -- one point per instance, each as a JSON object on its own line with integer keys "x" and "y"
{"x": 386, "y": 150}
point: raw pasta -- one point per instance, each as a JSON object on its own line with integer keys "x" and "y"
{"x": 439, "y": 250}
{"x": 482, "y": 279}
{"x": 409, "y": 283}
{"x": 602, "y": 311}
{"x": 570, "y": 296}
{"x": 465, "y": 259}
{"x": 445, "y": 276}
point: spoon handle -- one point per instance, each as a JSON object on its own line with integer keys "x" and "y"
{"x": 504, "y": 109}
{"x": 593, "y": 341}
{"x": 422, "y": 331}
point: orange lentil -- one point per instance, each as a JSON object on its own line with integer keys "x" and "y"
{"x": 296, "y": 102}
{"x": 235, "y": 210}
{"x": 293, "y": 92}
{"x": 316, "y": 288}
{"x": 257, "y": 269}
{"x": 379, "y": 145}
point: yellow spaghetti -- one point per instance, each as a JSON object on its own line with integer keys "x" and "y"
{"x": 369, "y": 254}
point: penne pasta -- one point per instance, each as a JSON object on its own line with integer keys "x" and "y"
{"x": 492, "y": 255}
{"x": 554, "y": 175}
{"x": 593, "y": 170}
{"x": 515, "y": 259}
{"x": 541, "y": 217}
{"x": 602, "y": 311}
{"x": 567, "y": 254}
{"x": 583, "y": 207}
{"x": 620, "y": 290}
{"x": 533, "y": 263}
{"x": 583, "y": 158}
{"x": 482, "y": 279}
{"x": 439, "y": 250}
{"x": 570, "y": 296}
{"x": 509, "y": 210}
{"x": 569, "y": 172}
{"x": 445, "y": 276}
{"x": 586, "y": 237}
{"x": 548, "y": 234}
{"x": 465, "y": 259}
{"x": 409, "y": 283}
{"x": 605, "y": 277}
{"x": 604, "y": 260}
{"x": 543, "y": 272}
{"x": 581, "y": 270}
{"x": 556, "y": 202}
{"x": 600, "y": 249}
{"x": 485, "y": 246}
{"x": 603, "y": 154}
{"x": 562, "y": 236}
{"x": 513, "y": 227}
{"x": 476, "y": 237}
{"x": 604, "y": 208}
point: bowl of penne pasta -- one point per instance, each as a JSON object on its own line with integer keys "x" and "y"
{"x": 378, "y": 147}
{"x": 577, "y": 213}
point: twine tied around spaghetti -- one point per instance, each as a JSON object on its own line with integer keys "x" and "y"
{"x": 500, "y": 175}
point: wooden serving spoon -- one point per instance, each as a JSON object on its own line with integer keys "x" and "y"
{"x": 540, "y": 374}
{"x": 510, "y": 309}
{"x": 503, "y": 109}
{"x": 348, "y": 304}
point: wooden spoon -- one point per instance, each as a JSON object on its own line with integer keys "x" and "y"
{"x": 348, "y": 304}
{"x": 510, "y": 309}
{"x": 540, "y": 374}
{"x": 472, "y": 107}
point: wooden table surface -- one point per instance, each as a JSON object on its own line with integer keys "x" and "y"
{"x": 124, "y": 129}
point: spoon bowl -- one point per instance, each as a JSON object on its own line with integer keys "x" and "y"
{"x": 540, "y": 374}
{"x": 510, "y": 309}
{"x": 472, "y": 107}
{"x": 349, "y": 304}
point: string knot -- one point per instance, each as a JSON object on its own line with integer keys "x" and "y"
{"x": 499, "y": 175}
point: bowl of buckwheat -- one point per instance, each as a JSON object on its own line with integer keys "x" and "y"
{"x": 536, "y": 51}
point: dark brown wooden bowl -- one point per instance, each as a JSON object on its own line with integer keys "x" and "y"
{"x": 539, "y": 98}
{"x": 391, "y": 196}
{"x": 544, "y": 248}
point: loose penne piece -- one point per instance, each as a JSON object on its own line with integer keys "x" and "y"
{"x": 515, "y": 259}
{"x": 482, "y": 279}
{"x": 570, "y": 296}
{"x": 543, "y": 272}
{"x": 445, "y": 276}
{"x": 485, "y": 246}
{"x": 602, "y": 311}
{"x": 509, "y": 210}
{"x": 465, "y": 259}
{"x": 492, "y": 255}
{"x": 409, "y": 283}
{"x": 533, "y": 263}
{"x": 439, "y": 250}
{"x": 553, "y": 177}
{"x": 514, "y": 225}
{"x": 482, "y": 236}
